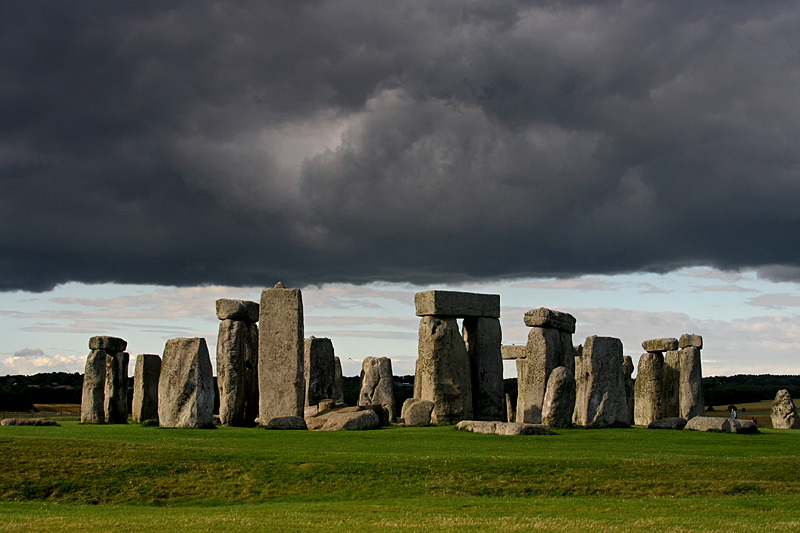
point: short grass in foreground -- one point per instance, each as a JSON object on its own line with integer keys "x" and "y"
{"x": 397, "y": 478}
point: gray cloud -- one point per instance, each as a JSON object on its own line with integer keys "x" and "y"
{"x": 29, "y": 352}
{"x": 315, "y": 142}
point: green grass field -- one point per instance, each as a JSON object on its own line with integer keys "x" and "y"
{"x": 131, "y": 477}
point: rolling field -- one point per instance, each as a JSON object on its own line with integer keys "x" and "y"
{"x": 130, "y": 477}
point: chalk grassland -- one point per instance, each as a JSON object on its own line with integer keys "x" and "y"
{"x": 129, "y": 477}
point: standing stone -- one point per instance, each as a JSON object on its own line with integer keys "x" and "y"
{"x": 443, "y": 370}
{"x": 559, "y": 399}
{"x": 511, "y": 408}
{"x": 94, "y": 383}
{"x": 115, "y": 404}
{"x": 630, "y": 385}
{"x": 251, "y": 376}
{"x": 338, "y": 383}
{"x": 548, "y": 348}
{"x": 671, "y": 385}
{"x": 186, "y": 385}
{"x": 784, "y": 412}
{"x": 600, "y": 396}
{"x": 145, "y": 387}
{"x": 281, "y": 379}
{"x": 648, "y": 389}
{"x": 377, "y": 386}
{"x": 691, "y": 385}
{"x": 483, "y": 339}
{"x": 233, "y": 343}
{"x": 320, "y": 372}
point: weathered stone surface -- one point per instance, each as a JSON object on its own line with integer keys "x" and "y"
{"x": 548, "y": 348}
{"x": 94, "y": 385}
{"x": 443, "y": 370}
{"x": 691, "y": 385}
{"x": 783, "y": 412}
{"x": 660, "y": 345}
{"x": 115, "y": 403}
{"x": 748, "y": 426}
{"x": 377, "y": 386}
{"x": 416, "y": 412}
{"x": 108, "y": 344}
{"x": 600, "y": 398}
{"x": 673, "y": 422}
{"x": 671, "y": 385}
{"x": 713, "y": 423}
{"x": 559, "y": 399}
{"x": 319, "y": 367}
{"x": 232, "y": 341}
{"x": 502, "y": 428}
{"x": 483, "y": 337}
{"x": 512, "y": 428}
{"x": 240, "y": 310}
{"x": 358, "y": 420}
{"x": 477, "y": 426}
{"x": 543, "y": 317}
{"x": 457, "y": 304}
{"x": 511, "y": 408}
{"x": 27, "y": 422}
{"x": 185, "y": 385}
{"x": 647, "y": 390}
{"x": 281, "y": 373}
{"x": 690, "y": 340}
{"x": 251, "y": 376}
{"x": 145, "y": 387}
{"x": 287, "y": 422}
{"x": 630, "y": 385}
{"x": 514, "y": 351}
{"x": 338, "y": 383}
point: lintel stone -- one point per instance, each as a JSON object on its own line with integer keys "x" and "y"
{"x": 660, "y": 345}
{"x": 548, "y": 318}
{"x": 691, "y": 340}
{"x": 457, "y": 304}
{"x": 513, "y": 351}
{"x": 109, "y": 344}
{"x": 243, "y": 310}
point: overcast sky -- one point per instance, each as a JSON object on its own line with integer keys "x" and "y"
{"x": 424, "y": 144}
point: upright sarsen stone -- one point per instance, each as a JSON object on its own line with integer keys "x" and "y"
{"x": 483, "y": 339}
{"x": 783, "y": 412}
{"x": 145, "y": 387}
{"x": 671, "y": 385}
{"x": 691, "y": 385}
{"x": 559, "y": 399}
{"x": 338, "y": 383}
{"x": 116, "y": 388}
{"x": 319, "y": 367}
{"x": 186, "y": 385}
{"x": 647, "y": 405}
{"x": 600, "y": 396}
{"x": 547, "y": 349}
{"x": 94, "y": 383}
{"x": 377, "y": 386}
{"x": 233, "y": 341}
{"x": 443, "y": 370}
{"x": 630, "y": 385}
{"x": 281, "y": 373}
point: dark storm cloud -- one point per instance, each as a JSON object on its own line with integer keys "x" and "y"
{"x": 242, "y": 143}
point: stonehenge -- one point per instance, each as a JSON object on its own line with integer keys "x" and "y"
{"x": 237, "y": 361}
{"x": 185, "y": 385}
{"x": 320, "y": 370}
{"x": 630, "y": 385}
{"x": 104, "y": 398}
{"x": 559, "y": 398}
{"x": 647, "y": 389}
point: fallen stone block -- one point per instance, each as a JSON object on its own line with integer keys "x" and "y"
{"x": 660, "y": 345}
{"x": 457, "y": 304}
{"x": 417, "y": 412}
{"x": 27, "y": 422}
{"x": 748, "y": 426}
{"x": 477, "y": 426}
{"x": 513, "y": 428}
{"x": 713, "y": 424}
{"x": 352, "y": 421}
{"x": 287, "y": 422}
{"x": 513, "y": 351}
{"x": 673, "y": 422}
{"x": 543, "y": 317}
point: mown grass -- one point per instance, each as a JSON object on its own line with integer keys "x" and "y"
{"x": 113, "y": 477}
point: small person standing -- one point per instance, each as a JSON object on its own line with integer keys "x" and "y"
{"x": 733, "y": 412}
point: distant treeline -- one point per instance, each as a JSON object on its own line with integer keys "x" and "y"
{"x": 19, "y": 393}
